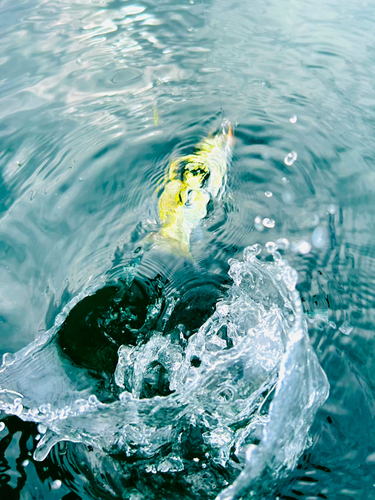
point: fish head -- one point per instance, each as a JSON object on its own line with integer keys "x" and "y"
{"x": 222, "y": 139}
{"x": 225, "y": 135}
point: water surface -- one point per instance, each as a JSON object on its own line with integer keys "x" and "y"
{"x": 95, "y": 96}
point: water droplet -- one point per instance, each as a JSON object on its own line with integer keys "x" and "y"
{"x": 290, "y": 277}
{"x": 277, "y": 256}
{"x": 283, "y": 244}
{"x": 258, "y": 224}
{"x": 271, "y": 247}
{"x": 270, "y": 223}
{"x": 345, "y": 328}
{"x": 42, "y": 429}
{"x": 268, "y": 194}
{"x": 25, "y": 463}
{"x": 249, "y": 253}
{"x": 302, "y": 247}
{"x": 290, "y": 158}
{"x": 93, "y": 400}
{"x": 293, "y": 119}
{"x": 287, "y": 197}
{"x": 56, "y": 484}
{"x": 2, "y": 426}
{"x": 320, "y": 237}
{"x": 45, "y": 408}
{"x": 285, "y": 180}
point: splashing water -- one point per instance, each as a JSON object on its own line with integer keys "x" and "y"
{"x": 222, "y": 411}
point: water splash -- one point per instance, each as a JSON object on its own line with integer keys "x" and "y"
{"x": 237, "y": 396}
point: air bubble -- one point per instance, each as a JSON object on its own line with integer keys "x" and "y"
{"x": 2, "y": 426}
{"x": 25, "y": 463}
{"x": 270, "y": 223}
{"x": 56, "y": 485}
{"x": 268, "y": 194}
{"x": 290, "y": 158}
{"x": 293, "y": 119}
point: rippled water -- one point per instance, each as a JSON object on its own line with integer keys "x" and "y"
{"x": 95, "y": 98}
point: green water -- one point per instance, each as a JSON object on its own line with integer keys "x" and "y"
{"x": 81, "y": 155}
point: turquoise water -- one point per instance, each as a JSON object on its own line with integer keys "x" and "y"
{"x": 95, "y": 98}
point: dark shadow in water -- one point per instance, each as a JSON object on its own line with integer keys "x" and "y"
{"x": 168, "y": 294}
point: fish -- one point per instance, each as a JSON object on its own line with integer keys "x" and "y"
{"x": 190, "y": 183}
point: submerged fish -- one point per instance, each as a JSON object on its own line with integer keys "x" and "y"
{"x": 191, "y": 182}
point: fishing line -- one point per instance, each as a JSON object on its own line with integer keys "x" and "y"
{"x": 213, "y": 64}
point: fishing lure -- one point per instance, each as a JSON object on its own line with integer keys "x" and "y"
{"x": 191, "y": 182}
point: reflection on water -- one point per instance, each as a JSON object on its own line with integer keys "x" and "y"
{"x": 81, "y": 154}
